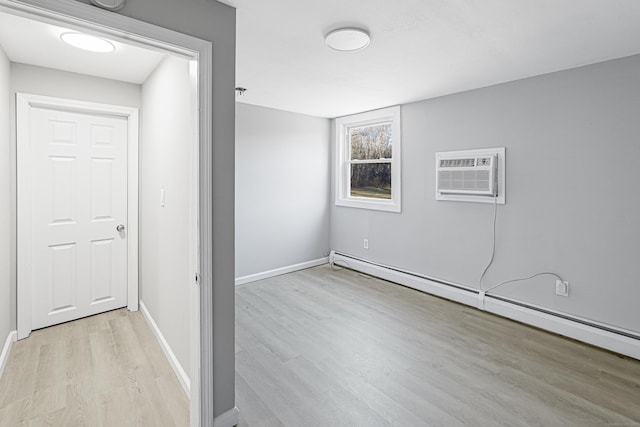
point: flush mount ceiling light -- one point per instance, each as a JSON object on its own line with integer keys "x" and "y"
{"x": 109, "y": 4}
{"x": 347, "y": 39}
{"x": 87, "y": 42}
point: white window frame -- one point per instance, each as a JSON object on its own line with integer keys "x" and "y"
{"x": 343, "y": 160}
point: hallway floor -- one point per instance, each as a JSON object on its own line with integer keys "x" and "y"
{"x": 105, "y": 370}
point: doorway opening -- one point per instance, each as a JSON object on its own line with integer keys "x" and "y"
{"x": 188, "y": 158}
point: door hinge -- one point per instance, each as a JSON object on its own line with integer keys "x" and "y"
{"x": 197, "y": 279}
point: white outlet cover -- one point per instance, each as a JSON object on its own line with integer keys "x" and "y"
{"x": 562, "y": 288}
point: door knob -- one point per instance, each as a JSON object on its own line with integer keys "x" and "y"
{"x": 120, "y": 228}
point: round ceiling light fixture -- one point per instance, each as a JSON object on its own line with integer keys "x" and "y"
{"x": 347, "y": 39}
{"x": 88, "y": 42}
{"x": 109, "y": 4}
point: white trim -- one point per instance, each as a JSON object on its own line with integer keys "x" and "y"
{"x": 23, "y": 230}
{"x": 609, "y": 340}
{"x": 6, "y": 350}
{"x": 342, "y": 160}
{"x": 461, "y": 295}
{"x": 133, "y": 289}
{"x": 203, "y": 406}
{"x": 92, "y": 20}
{"x": 554, "y": 322}
{"x": 24, "y": 102}
{"x": 166, "y": 349}
{"x": 280, "y": 271}
{"x": 228, "y": 419}
{"x": 194, "y": 263}
{"x": 76, "y": 15}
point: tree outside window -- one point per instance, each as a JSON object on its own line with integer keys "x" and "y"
{"x": 371, "y": 155}
{"x": 368, "y": 168}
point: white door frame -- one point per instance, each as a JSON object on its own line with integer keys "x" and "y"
{"x": 76, "y": 15}
{"x": 24, "y": 104}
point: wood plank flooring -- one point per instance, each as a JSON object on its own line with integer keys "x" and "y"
{"x": 105, "y": 370}
{"x": 335, "y": 348}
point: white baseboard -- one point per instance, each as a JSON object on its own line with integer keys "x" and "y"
{"x": 183, "y": 378}
{"x": 227, "y": 419}
{"x": 569, "y": 328}
{"x": 458, "y": 294}
{"x": 6, "y": 350}
{"x": 559, "y": 323}
{"x": 279, "y": 271}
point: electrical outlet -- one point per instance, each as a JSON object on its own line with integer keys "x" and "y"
{"x": 365, "y": 243}
{"x": 562, "y": 288}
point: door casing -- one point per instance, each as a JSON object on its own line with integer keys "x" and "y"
{"x": 24, "y": 102}
{"x": 82, "y": 17}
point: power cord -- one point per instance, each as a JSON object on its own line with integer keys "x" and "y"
{"x": 334, "y": 263}
{"x": 493, "y": 243}
{"x": 483, "y": 291}
{"x": 348, "y": 266}
{"x": 524, "y": 278}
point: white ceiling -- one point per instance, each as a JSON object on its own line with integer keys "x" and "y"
{"x": 419, "y": 48}
{"x": 36, "y": 43}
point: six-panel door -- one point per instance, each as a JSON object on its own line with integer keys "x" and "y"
{"x": 78, "y": 174}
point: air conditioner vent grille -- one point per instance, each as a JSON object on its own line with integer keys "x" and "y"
{"x": 471, "y": 175}
{"x": 457, "y": 163}
{"x": 464, "y": 180}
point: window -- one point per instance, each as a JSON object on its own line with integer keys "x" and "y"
{"x": 368, "y": 160}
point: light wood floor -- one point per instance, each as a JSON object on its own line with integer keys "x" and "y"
{"x": 334, "y": 348}
{"x": 104, "y": 370}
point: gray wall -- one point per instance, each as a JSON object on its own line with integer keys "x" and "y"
{"x": 45, "y": 81}
{"x": 282, "y": 189}
{"x": 216, "y": 22}
{"x": 165, "y": 163}
{"x": 7, "y": 323}
{"x": 63, "y": 84}
{"x": 572, "y": 202}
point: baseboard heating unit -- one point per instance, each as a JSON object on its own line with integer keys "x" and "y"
{"x": 600, "y": 335}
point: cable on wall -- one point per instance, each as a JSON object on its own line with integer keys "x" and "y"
{"x": 333, "y": 265}
{"x": 493, "y": 240}
{"x": 483, "y": 292}
{"x": 550, "y": 273}
{"x": 348, "y": 266}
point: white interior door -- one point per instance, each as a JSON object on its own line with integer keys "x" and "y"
{"x": 78, "y": 182}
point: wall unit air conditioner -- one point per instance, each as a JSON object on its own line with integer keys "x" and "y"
{"x": 470, "y": 175}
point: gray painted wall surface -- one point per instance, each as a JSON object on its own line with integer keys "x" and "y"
{"x": 215, "y": 22}
{"x": 165, "y": 161}
{"x": 282, "y": 188}
{"x": 45, "y": 81}
{"x": 6, "y": 321}
{"x": 572, "y": 203}
{"x": 63, "y": 84}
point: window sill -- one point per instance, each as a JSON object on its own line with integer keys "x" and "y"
{"x": 371, "y": 204}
